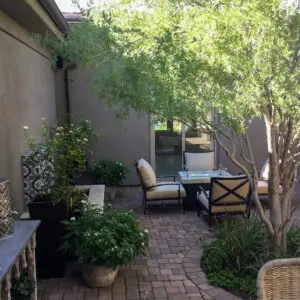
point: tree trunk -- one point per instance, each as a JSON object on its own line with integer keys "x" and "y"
{"x": 274, "y": 186}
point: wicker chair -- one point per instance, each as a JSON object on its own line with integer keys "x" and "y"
{"x": 279, "y": 279}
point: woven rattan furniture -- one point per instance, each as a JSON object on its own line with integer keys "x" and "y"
{"x": 157, "y": 191}
{"x": 279, "y": 279}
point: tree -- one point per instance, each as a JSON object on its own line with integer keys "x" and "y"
{"x": 184, "y": 59}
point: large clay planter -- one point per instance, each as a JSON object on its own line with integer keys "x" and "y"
{"x": 94, "y": 276}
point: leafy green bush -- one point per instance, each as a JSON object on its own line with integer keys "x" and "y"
{"x": 23, "y": 287}
{"x": 105, "y": 238}
{"x": 239, "y": 250}
{"x": 110, "y": 172}
{"x": 62, "y": 157}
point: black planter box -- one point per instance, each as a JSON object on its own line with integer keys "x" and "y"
{"x": 50, "y": 261}
{"x": 87, "y": 178}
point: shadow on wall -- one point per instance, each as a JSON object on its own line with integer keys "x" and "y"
{"x": 257, "y": 134}
{"x": 126, "y": 140}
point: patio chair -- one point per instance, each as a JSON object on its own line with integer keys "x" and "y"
{"x": 157, "y": 191}
{"x": 199, "y": 161}
{"x": 262, "y": 187}
{"x": 227, "y": 196}
{"x": 279, "y": 279}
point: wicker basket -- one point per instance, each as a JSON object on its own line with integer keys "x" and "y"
{"x": 279, "y": 279}
{"x": 6, "y": 221}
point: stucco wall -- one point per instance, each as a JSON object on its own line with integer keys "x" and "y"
{"x": 27, "y": 94}
{"x": 60, "y": 96}
{"x": 125, "y": 140}
{"x": 259, "y": 147}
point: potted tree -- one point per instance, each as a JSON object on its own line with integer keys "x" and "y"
{"x": 59, "y": 160}
{"x": 103, "y": 240}
{"x": 111, "y": 173}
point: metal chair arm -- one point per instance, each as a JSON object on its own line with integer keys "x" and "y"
{"x": 201, "y": 189}
{"x": 167, "y": 176}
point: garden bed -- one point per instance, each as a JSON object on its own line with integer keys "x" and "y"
{"x": 233, "y": 258}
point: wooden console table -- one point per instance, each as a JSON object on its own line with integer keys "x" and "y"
{"x": 17, "y": 253}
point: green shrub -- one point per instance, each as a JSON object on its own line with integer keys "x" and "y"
{"x": 233, "y": 259}
{"x": 22, "y": 287}
{"x": 110, "y": 172}
{"x": 105, "y": 238}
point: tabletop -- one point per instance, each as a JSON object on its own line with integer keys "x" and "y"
{"x": 10, "y": 248}
{"x": 191, "y": 177}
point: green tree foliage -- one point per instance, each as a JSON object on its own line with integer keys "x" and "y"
{"x": 182, "y": 60}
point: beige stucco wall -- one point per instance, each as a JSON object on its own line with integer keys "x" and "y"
{"x": 125, "y": 140}
{"x": 27, "y": 94}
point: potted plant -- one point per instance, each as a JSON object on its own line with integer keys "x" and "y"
{"x": 111, "y": 173}
{"x": 59, "y": 161}
{"x": 101, "y": 241}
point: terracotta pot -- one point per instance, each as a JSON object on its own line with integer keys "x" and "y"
{"x": 94, "y": 276}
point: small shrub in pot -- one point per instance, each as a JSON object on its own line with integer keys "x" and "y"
{"x": 102, "y": 240}
{"x": 58, "y": 160}
{"x": 111, "y": 173}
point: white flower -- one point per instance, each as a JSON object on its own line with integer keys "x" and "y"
{"x": 43, "y": 119}
{"x": 143, "y": 244}
{"x": 146, "y": 230}
{"x": 73, "y": 219}
{"x": 72, "y": 124}
{"x": 83, "y": 201}
{"x": 78, "y": 140}
{"x": 57, "y": 134}
{"x": 141, "y": 234}
{"x": 112, "y": 249}
{"x": 85, "y": 139}
{"x": 71, "y": 131}
{"x": 25, "y": 127}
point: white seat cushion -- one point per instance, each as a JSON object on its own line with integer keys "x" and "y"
{"x": 199, "y": 161}
{"x": 218, "y": 209}
{"x": 147, "y": 173}
{"x": 264, "y": 174}
{"x": 262, "y": 187}
{"x": 169, "y": 191}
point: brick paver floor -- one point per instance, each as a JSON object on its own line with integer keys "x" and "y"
{"x": 170, "y": 270}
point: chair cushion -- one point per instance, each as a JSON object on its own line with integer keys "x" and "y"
{"x": 262, "y": 187}
{"x": 199, "y": 161}
{"x": 169, "y": 191}
{"x": 147, "y": 173}
{"x": 220, "y": 209}
{"x": 264, "y": 174}
{"x": 231, "y": 183}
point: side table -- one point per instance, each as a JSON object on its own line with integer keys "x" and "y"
{"x": 17, "y": 253}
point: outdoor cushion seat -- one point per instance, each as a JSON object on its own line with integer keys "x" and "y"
{"x": 199, "y": 161}
{"x": 156, "y": 191}
{"x": 219, "y": 209}
{"x": 262, "y": 187}
{"x": 147, "y": 173}
{"x": 168, "y": 190}
{"x": 227, "y": 195}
